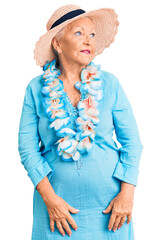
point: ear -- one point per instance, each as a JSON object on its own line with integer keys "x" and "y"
{"x": 56, "y": 44}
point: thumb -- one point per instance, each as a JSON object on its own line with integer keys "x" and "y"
{"x": 73, "y": 210}
{"x": 109, "y": 208}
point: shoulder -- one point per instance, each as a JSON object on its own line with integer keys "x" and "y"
{"x": 109, "y": 79}
{"x": 35, "y": 82}
{"x": 34, "y": 87}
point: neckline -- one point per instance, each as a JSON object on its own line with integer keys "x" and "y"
{"x": 72, "y": 107}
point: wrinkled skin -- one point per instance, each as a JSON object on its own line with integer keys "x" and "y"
{"x": 121, "y": 207}
{"x": 59, "y": 213}
{"x": 78, "y": 35}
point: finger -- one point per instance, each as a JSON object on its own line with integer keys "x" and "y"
{"x": 72, "y": 209}
{"x": 109, "y": 208}
{"x": 52, "y": 222}
{"x": 112, "y": 220}
{"x": 60, "y": 228}
{"x": 122, "y": 220}
{"x": 129, "y": 218}
{"x": 71, "y": 221}
{"x": 116, "y": 223}
{"x": 66, "y": 227}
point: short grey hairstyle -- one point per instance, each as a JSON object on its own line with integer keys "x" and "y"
{"x": 58, "y": 36}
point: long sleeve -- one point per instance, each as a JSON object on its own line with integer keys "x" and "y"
{"x": 127, "y": 134}
{"x": 28, "y": 141}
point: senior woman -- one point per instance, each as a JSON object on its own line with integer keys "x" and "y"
{"x": 82, "y": 180}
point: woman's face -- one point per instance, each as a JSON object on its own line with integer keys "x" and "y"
{"x": 78, "y": 35}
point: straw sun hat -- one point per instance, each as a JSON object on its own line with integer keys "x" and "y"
{"x": 106, "y": 24}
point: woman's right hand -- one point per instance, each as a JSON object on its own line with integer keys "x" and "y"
{"x": 59, "y": 212}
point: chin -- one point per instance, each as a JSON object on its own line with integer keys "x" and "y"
{"x": 86, "y": 61}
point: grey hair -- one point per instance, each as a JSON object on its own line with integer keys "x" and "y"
{"x": 59, "y": 35}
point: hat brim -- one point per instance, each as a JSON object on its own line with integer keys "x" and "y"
{"x": 106, "y": 24}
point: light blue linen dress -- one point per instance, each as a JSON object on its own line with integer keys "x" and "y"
{"x": 99, "y": 180}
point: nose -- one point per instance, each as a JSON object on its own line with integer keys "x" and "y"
{"x": 87, "y": 39}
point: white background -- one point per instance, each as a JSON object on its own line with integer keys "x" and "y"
{"x": 134, "y": 57}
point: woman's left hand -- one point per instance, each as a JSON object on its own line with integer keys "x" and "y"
{"x": 121, "y": 207}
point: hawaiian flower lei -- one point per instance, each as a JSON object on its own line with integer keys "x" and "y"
{"x": 72, "y": 143}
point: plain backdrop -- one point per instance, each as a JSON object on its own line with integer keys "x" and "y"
{"x": 134, "y": 57}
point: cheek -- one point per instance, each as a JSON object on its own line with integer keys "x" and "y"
{"x": 74, "y": 49}
{"x": 71, "y": 47}
{"x": 66, "y": 46}
{"x": 76, "y": 45}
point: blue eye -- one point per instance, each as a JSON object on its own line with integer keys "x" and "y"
{"x": 93, "y": 33}
{"x": 78, "y": 31}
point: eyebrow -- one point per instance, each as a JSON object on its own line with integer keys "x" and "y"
{"x": 80, "y": 26}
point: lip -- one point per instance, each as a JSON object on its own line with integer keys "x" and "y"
{"x": 87, "y": 51}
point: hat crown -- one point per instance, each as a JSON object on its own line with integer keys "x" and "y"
{"x": 60, "y": 12}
